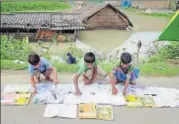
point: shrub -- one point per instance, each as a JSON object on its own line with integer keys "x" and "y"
{"x": 12, "y": 48}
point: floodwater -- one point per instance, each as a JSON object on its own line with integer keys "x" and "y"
{"x": 107, "y": 40}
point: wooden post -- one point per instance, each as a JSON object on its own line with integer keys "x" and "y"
{"x": 139, "y": 44}
{"x": 74, "y": 36}
{"x": 18, "y": 33}
{"x": 7, "y": 34}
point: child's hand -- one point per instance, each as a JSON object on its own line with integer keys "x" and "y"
{"x": 56, "y": 81}
{"x": 114, "y": 91}
{"x": 78, "y": 92}
{"x": 34, "y": 90}
{"x": 87, "y": 82}
{"x": 124, "y": 92}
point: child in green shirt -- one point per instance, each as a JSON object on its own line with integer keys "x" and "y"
{"x": 88, "y": 67}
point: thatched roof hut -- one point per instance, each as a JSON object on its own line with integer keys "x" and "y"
{"x": 103, "y": 16}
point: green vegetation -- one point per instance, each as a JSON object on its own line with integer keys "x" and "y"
{"x": 147, "y": 69}
{"x": 7, "y": 7}
{"x": 12, "y": 49}
{"x": 142, "y": 12}
{"x": 159, "y": 65}
{"x": 159, "y": 69}
{"x": 158, "y": 14}
{"x": 15, "y": 49}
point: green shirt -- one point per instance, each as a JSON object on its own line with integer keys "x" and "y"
{"x": 83, "y": 67}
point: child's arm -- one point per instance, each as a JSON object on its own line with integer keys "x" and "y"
{"x": 94, "y": 74}
{"x": 126, "y": 83}
{"x": 113, "y": 83}
{"x": 75, "y": 80}
{"x": 55, "y": 78}
{"x": 32, "y": 81}
{"x": 33, "y": 84}
{"x": 131, "y": 67}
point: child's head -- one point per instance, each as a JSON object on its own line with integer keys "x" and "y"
{"x": 126, "y": 59}
{"x": 34, "y": 59}
{"x": 89, "y": 59}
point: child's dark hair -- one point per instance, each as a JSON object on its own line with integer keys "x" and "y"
{"x": 126, "y": 58}
{"x": 89, "y": 57}
{"x": 34, "y": 59}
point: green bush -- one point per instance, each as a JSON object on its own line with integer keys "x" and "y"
{"x": 170, "y": 51}
{"x": 12, "y": 48}
{"x": 33, "y": 6}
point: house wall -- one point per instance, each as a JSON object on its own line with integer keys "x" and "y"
{"x": 107, "y": 18}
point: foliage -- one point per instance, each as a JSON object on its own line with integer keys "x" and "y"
{"x": 12, "y": 48}
{"x": 74, "y": 51}
{"x": 33, "y": 6}
{"x": 170, "y": 51}
{"x": 147, "y": 69}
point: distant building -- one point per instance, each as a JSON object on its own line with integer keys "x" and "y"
{"x": 103, "y": 17}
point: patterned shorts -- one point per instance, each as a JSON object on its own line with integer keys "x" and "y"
{"x": 121, "y": 77}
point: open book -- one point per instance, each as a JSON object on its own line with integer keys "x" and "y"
{"x": 87, "y": 111}
{"x": 105, "y": 112}
{"x": 60, "y": 110}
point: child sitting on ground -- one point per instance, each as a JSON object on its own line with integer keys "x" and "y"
{"x": 39, "y": 66}
{"x": 88, "y": 67}
{"x": 124, "y": 72}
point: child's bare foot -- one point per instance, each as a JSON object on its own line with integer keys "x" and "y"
{"x": 114, "y": 91}
{"x": 56, "y": 82}
{"x": 34, "y": 90}
{"x": 48, "y": 79}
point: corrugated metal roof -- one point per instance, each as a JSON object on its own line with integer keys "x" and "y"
{"x": 51, "y": 21}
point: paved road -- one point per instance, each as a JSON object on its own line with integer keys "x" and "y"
{"x": 33, "y": 114}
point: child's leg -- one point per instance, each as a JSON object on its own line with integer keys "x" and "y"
{"x": 101, "y": 72}
{"x": 87, "y": 76}
{"x": 36, "y": 76}
{"x": 134, "y": 76}
{"x": 47, "y": 73}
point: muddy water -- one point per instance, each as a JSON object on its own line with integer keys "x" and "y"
{"x": 106, "y": 40}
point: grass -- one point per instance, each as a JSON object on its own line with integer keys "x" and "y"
{"x": 7, "y": 7}
{"x": 158, "y": 14}
{"x": 159, "y": 69}
{"x": 10, "y": 65}
{"x": 142, "y": 12}
{"x": 147, "y": 69}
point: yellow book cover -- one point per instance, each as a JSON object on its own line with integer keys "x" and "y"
{"x": 87, "y": 111}
{"x": 148, "y": 101}
{"x": 133, "y": 101}
{"x": 105, "y": 112}
{"x": 23, "y": 99}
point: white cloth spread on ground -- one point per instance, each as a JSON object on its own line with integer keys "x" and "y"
{"x": 95, "y": 93}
